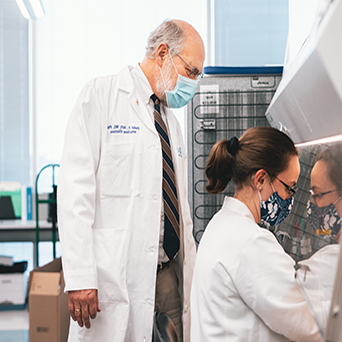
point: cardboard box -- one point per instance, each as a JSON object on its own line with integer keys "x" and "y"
{"x": 48, "y": 304}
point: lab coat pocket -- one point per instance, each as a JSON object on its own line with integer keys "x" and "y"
{"x": 119, "y": 169}
{"x": 110, "y": 255}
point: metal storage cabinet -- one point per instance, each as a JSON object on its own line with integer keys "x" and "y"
{"x": 228, "y": 101}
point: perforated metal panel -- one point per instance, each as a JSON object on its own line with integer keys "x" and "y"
{"x": 238, "y": 103}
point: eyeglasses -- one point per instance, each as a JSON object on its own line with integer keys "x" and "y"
{"x": 290, "y": 190}
{"x": 320, "y": 195}
{"x": 193, "y": 72}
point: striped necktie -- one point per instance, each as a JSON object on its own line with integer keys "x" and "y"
{"x": 171, "y": 214}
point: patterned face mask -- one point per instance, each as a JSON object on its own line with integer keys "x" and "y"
{"x": 324, "y": 220}
{"x": 275, "y": 209}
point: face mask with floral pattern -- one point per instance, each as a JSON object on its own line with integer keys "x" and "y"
{"x": 324, "y": 220}
{"x": 275, "y": 209}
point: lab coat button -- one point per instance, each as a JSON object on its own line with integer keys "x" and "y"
{"x": 160, "y": 244}
{"x": 186, "y": 308}
{"x": 184, "y": 261}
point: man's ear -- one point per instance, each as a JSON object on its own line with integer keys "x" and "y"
{"x": 259, "y": 179}
{"x": 162, "y": 51}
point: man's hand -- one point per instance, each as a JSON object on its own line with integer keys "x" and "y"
{"x": 82, "y": 305}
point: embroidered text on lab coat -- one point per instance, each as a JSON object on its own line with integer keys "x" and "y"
{"x": 123, "y": 129}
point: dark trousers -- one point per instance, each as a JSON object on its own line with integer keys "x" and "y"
{"x": 168, "y": 299}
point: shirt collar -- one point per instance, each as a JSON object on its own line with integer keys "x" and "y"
{"x": 233, "y": 204}
{"x": 143, "y": 86}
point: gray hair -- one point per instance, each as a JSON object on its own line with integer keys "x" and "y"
{"x": 169, "y": 33}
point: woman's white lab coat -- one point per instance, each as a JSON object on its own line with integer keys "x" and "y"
{"x": 318, "y": 280}
{"x": 322, "y": 271}
{"x": 243, "y": 287}
{"x": 109, "y": 203}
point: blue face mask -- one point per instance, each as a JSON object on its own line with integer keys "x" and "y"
{"x": 275, "y": 209}
{"x": 182, "y": 93}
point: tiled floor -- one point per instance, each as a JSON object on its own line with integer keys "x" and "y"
{"x": 14, "y": 326}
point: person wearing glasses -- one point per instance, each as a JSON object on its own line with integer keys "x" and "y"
{"x": 325, "y": 206}
{"x": 324, "y": 212}
{"x": 124, "y": 220}
{"x": 243, "y": 286}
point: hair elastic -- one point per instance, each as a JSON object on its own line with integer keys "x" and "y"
{"x": 233, "y": 145}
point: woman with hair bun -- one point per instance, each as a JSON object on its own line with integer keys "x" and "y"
{"x": 244, "y": 287}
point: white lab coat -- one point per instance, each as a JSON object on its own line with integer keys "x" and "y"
{"x": 243, "y": 287}
{"x": 109, "y": 204}
{"x": 318, "y": 282}
{"x": 321, "y": 276}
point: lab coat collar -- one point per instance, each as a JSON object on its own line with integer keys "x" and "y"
{"x": 143, "y": 86}
{"x": 235, "y": 205}
{"x": 127, "y": 84}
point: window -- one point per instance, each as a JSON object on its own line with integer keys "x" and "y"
{"x": 14, "y": 95}
{"x": 249, "y": 32}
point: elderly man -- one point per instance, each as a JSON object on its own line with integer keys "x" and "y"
{"x": 124, "y": 221}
